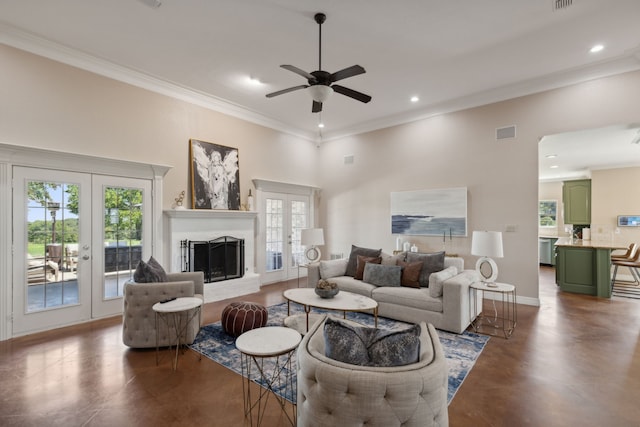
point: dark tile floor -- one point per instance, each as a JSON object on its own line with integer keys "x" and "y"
{"x": 575, "y": 360}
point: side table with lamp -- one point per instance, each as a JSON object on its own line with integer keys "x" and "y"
{"x": 487, "y": 244}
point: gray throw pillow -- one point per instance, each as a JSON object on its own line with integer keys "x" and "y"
{"x": 360, "y": 345}
{"x": 352, "y": 265}
{"x": 431, "y": 263}
{"x": 382, "y": 275}
{"x": 149, "y": 272}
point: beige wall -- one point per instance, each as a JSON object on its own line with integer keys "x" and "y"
{"x": 615, "y": 192}
{"x": 49, "y": 105}
{"x": 460, "y": 150}
{"x": 46, "y": 104}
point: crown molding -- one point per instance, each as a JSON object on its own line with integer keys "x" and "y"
{"x": 11, "y": 36}
{"x": 31, "y": 43}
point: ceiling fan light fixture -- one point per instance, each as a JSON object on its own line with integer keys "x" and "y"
{"x": 320, "y": 93}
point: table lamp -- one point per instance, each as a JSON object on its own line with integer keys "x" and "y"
{"x": 312, "y": 237}
{"x": 487, "y": 244}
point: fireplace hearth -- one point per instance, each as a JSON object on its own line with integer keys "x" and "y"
{"x": 219, "y": 259}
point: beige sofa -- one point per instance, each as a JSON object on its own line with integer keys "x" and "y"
{"x": 138, "y": 319}
{"x": 449, "y": 311}
{"x": 333, "y": 393}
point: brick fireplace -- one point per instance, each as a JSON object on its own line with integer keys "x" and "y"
{"x": 203, "y": 226}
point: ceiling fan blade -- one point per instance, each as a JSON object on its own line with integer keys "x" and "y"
{"x": 317, "y": 107}
{"x": 351, "y": 93}
{"x": 354, "y": 70}
{"x": 283, "y": 91}
{"x": 298, "y": 71}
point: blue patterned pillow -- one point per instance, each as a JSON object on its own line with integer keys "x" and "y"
{"x": 148, "y": 272}
{"x": 360, "y": 345}
{"x": 382, "y": 275}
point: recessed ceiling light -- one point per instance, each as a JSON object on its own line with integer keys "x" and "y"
{"x": 415, "y": 99}
{"x": 553, "y": 167}
{"x": 596, "y": 48}
{"x": 551, "y": 156}
{"x": 320, "y": 125}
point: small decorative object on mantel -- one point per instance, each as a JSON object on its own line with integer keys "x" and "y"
{"x": 326, "y": 289}
{"x": 250, "y": 201}
{"x": 179, "y": 200}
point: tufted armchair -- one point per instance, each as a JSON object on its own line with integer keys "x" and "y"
{"x": 138, "y": 322}
{"x": 332, "y": 393}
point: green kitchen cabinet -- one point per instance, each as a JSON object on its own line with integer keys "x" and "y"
{"x": 584, "y": 270}
{"x": 576, "y": 197}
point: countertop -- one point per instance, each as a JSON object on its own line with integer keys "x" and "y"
{"x": 595, "y": 244}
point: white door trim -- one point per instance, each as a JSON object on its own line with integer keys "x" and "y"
{"x": 14, "y": 155}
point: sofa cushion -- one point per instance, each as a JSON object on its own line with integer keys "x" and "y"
{"x": 362, "y": 261}
{"x": 332, "y": 268}
{"x": 407, "y": 297}
{"x": 148, "y": 272}
{"x": 431, "y": 263}
{"x": 436, "y": 280}
{"x": 352, "y": 265}
{"x": 361, "y": 345}
{"x": 382, "y": 275}
{"x": 410, "y": 273}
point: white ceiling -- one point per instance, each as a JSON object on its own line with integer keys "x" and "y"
{"x": 452, "y": 54}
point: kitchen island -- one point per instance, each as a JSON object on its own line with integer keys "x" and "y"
{"x": 584, "y": 266}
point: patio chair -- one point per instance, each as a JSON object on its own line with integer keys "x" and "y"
{"x": 41, "y": 269}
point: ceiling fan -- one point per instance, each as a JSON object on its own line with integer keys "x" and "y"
{"x": 320, "y": 83}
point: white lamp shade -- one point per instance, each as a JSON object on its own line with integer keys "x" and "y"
{"x": 487, "y": 244}
{"x": 320, "y": 93}
{"x": 312, "y": 237}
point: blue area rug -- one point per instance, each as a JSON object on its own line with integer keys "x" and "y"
{"x": 461, "y": 351}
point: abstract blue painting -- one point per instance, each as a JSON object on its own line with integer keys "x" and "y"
{"x": 439, "y": 212}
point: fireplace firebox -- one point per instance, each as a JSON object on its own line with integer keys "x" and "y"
{"x": 219, "y": 259}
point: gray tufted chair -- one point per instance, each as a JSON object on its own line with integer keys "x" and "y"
{"x": 138, "y": 322}
{"x": 332, "y": 393}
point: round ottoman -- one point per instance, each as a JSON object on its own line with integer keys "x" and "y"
{"x": 240, "y": 317}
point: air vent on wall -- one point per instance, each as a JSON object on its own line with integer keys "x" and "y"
{"x": 561, "y": 4}
{"x": 506, "y": 132}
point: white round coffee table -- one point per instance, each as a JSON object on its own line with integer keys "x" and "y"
{"x": 343, "y": 301}
{"x": 174, "y": 312}
{"x": 257, "y": 345}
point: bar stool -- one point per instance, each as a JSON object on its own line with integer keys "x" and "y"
{"x": 622, "y": 257}
{"x": 632, "y": 263}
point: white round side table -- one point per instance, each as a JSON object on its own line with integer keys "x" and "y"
{"x": 256, "y": 346}
{"x": 173, "y": 313}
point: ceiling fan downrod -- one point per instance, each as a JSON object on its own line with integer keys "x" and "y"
{"x": 320, "y": 18}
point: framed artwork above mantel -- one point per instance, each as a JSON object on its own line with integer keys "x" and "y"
{"x": 215, "y": 176}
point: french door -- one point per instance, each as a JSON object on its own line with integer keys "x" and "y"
{"x": 77, "y": 239}
{"x": 284, "y": 216}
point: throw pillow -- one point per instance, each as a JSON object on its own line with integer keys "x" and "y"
{"x": 332, "y": 268}
{"x": 431, "y": 263}
{"x": 362, "y": 261}
{"x": 360, "y": 345}
{"x": 393, "y": 259}
{"x": 436, "y": 281}
{"x": 352, "y": 265}
{"x": 410, "y": 273}
{"x": 382, "y": 275}
{"x": 149, "y": 272}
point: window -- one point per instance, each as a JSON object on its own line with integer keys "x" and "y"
{"x": 548, "y": 213}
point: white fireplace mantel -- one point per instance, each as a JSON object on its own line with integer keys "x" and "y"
{"x": 209, "y": 224}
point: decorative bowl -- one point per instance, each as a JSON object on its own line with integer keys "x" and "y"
{"x": 327, "y": 293}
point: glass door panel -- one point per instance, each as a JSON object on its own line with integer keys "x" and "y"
{"x": 50, "y": 222}
{"x": 285, "y": 215}
{"x": 123, "y": 233}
